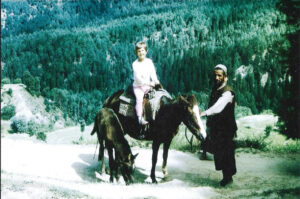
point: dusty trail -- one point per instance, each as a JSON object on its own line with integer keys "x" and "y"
{"x": 34, "y": 169}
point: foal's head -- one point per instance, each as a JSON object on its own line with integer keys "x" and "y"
{"x": 191, "y": 115}
{"x": 127, "y": 168}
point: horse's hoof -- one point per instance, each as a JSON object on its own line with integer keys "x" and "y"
{"x": 154, "y": 181}
{"x": 111, "y": 179}
{"x": 165, "y": 172}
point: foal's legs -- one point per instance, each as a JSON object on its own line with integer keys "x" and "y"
{"x": 155, "y": 147}
{"x": 111, "y": 161}
{"x": 101, "y": 154}
{"x": 165, "y": 157}
{"x": 117, "y": 159}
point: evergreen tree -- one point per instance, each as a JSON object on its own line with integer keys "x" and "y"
{"x": 289, "y": 118}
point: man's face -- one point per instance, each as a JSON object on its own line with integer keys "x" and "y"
{"x": 141, "y": 53}
{"x": 219, "y": 77}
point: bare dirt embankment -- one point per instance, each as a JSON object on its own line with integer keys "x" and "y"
{"x": 31, "y": 107}
{"x": 60, "y": 169}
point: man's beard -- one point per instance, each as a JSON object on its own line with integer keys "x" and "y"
{"x": 218, "y": 83}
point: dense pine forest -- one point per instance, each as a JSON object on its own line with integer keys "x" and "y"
{"x": 76, "y": 53}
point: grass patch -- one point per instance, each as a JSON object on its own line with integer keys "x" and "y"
{"x": 259, "y": 132}
{"x": 279, "y": 143}
{"x": 251, "y": 142}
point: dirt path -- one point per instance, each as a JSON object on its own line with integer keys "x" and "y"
{"x": 34, "y": 169}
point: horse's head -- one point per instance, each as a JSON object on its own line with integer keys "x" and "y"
{"x": 127, "y": 168}
{"x": 191, "y": 116}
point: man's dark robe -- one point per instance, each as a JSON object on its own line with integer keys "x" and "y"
{"x": 222, "y": 128}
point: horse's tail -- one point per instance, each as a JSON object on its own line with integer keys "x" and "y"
{"x": 100, "y": 140}
{"x": 95, "y": 129}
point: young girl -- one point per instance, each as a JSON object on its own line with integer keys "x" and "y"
{"x": 144, "y": 75}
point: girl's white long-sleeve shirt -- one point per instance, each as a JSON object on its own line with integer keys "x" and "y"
{"x": 144, "y": 73}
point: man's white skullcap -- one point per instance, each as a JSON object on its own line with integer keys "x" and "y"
{"x": 222, "y": 67}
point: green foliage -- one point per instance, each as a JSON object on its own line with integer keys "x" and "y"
{"x": 8, "y": 112}
{"x": 41, "y": 136}
{"x": 21, "y": 125}
{"x": 77, "y": 47}
{"x": 261, "y": 133}
{"x": 252, "y": 142}
{"x": 32, "y": 83}
{"x": 18, "y": 81}
{"x": 242, "y": 111}
{"x": 75, "y": 105}
{"x": 9, "y": 92}
{"x": 5, "y": 81}
{"x": 268, "y": 130}
{"x": 281, "y": 144}
{"x": 82, "y": 125}
{"x": 202, "y": 99}
{"x": 32, "y": 127}
{"x": 288, "y": 109}
{"x": 18, "y": 124}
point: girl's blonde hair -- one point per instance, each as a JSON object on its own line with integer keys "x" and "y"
{"x": 139, "y": 45}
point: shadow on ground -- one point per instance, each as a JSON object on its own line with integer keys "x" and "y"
{"x": 87, "y": 170}
{"x": 90, "y": 166}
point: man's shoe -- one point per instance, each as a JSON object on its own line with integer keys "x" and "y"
{"x": 203, "y": 156}
{"x": 226, "y": 181}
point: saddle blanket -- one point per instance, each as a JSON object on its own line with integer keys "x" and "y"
{"x": 127, "y": 103}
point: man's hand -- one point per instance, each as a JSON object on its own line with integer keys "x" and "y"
{"x": 202, "y": 114}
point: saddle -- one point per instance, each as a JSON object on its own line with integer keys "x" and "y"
{"x": 151, "y": 103}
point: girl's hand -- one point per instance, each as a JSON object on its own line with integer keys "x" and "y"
{"x": 158, "y": 86}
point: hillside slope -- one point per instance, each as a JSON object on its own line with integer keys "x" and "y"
{"x": 30, "y": 107}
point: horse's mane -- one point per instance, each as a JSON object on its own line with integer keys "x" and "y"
{"x": 189, "y": 100}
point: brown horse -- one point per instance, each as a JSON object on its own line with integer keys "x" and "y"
{"x": 171, "y": 114}
{"x": 109, "y": 129}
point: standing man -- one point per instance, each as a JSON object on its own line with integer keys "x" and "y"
{"x": 221, "y": 124}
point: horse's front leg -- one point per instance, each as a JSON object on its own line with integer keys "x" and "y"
{"x": 165, "y": 156}
{"x": 155, "y": 147}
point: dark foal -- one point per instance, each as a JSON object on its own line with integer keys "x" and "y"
{"x": 109, "y": 129}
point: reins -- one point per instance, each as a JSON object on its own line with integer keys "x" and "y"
{"x": 189, "y": 141}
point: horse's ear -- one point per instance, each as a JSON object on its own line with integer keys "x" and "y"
{"x": 132, "y": 157}
{"x": 191, "y": 99}
{"x": 183, "y": 101}
{"x": 182, "y": 98}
